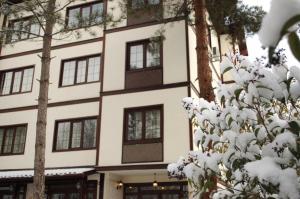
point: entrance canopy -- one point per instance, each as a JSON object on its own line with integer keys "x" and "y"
{"x": 48, "y": 173}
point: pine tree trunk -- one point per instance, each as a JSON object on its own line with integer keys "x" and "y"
{"x": 39, "y": 159}
{"x": 204, "y": 70}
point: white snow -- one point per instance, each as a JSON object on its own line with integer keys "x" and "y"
{"x": 280, "y": 12}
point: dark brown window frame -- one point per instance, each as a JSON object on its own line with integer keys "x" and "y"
{"x": 10, "y": 25}
{"x": 16, "y": 189}
{"x": 81, "y": 6}
{"x": 143, "y": 109}
{"x": 13, "y": 140}
{"x": 140, "y": 192}
{"x": 145, "y": 43}
{"x": 12, "y": 81}
{"x": 77, "y": 59}
{"x": 72, "y": 120}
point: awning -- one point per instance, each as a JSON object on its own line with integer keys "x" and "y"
{"x": 48, "y": 173}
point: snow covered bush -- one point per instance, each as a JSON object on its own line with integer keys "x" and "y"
{"x": 249, "y": 141}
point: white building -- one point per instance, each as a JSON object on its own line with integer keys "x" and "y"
{"x": 114, "y": 112}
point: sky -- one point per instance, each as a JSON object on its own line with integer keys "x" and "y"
{"x": 253, "y": 43}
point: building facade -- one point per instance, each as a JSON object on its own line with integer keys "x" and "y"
{"x": 115, "y": 119}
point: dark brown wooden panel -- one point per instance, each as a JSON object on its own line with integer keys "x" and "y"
{"x": 142, "y": 153}
{"x": 143, "y": 78}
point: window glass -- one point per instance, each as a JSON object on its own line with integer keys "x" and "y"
{"x": 63, "y": 134}
{"x": 74, "y": 15}
{"x": 27, "y": 79}
{"x": 153, "y": 54}
{"x": 136, "y": 57}
{"x": 58, "y": 196}
{"x": 35, "y": 29}
{"x": 19, "y": 140}
{"x": 76, "y": 134}
{"x": 152, "y": 124}
{"x": 74, "y": 196}
{"x": 153, "y": 2}
{"x": 97, "y": 10}
{"x": 137, "y": 4}
{"x": 85, "y": 14}
{"x": 1, "y": 138}
{"x": 81, "y": 71}
{"x": 25, "y": 28}
{"x": 16, "y": 26}
{"x": 6, "y": 82}
{"x": 9, "y": 135}
{"x": 93, "y": 70}
{"x": 89, "y": 137}
{"x": 17, "y": 82}
{"x": 134, "y": 126}
{"x": 68, "y": 73}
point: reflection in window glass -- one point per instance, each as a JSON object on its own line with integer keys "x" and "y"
{"x": 97, "y": 10}
{"x": 134, "y": 126}
{"x": 81, "y": 71}
{"x": 27, "y": 79}
{"x": 170, "y": 196}
{"x": 35, "y": 29}
{"x": 152, "y": 124}
{"x": 74, "y": 15}
{"x": 9, "y": 135}
{"x": 137, "y": 4}
{"x": 93, "y": 70}
{"x": 76, "y": 134}
{"x": 6, "y": 82}
{"x": 136, "y": 57}
{"x": 85, "y": 14}
{"x": 89, "y": 136}
{"x": 153, "y": 54}
{"x": 17, "y": 82}
{"x": 63, "y": 134}
{"x": 1, "y": 139}
{"x": 19, "y": 142}
{"x": 153, "y": 2}
{"x": 68, "y": 73}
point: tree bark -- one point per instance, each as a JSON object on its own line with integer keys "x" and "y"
{"x": 204, "y": 70}
{"x": 40, "y": 143}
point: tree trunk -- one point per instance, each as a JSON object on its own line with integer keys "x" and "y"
{"x": 39, "y": 159}
{"x": 204, "y": 70}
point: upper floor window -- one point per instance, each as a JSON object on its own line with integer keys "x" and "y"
{"x": 85, "y": 15}
{"x": 80, "y": 70}
{"x": 136, "y": 4}
{"x": 16, "y": 81}
{"x": 23, "y": 29}
{"x": 12, "y": 139}
{"x": 143, "y": 54}
{"x": 75, "y": 134}
{"x": 143, "y": 125}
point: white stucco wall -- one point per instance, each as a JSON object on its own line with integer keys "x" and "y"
{"x": 176, "y": 128}
{"x": 174, "y": 54}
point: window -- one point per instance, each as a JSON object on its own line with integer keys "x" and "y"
{"x": 85, "y": 15}
{"x": 173, "y": 190}
{"x": 143, "y": 54}
{"x": 28, "y": 25}
{"x": 80, "y": 70}
{"x": 143, "y": 125}
{"x": 16, "y": 81}
{"x": 136, "y": 4}
{"x": 75, "y": 134}
{"x": 12, "y": 139}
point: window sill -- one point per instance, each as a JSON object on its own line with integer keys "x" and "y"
{"x": 144, "y": 69}
{"x": 70, "y": 150}
{"x": 148, "y": 141}
{"x": 11, "y": 154}
{"x": 15, "y": 94}
{"x": 79, "y": 84}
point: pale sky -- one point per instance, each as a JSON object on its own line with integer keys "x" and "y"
{"x": 253, "y": 43}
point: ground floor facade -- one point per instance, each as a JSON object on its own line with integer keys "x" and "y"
{"x": 88, "y": 183}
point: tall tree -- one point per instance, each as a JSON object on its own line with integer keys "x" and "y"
{"x": 47, "y": 14}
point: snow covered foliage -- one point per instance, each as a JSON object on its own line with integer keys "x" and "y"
{"x": 282, "y": 20}
{"x": 250, "y": 139}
